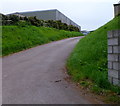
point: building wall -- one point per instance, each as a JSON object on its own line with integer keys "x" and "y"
{"x": 64, "y": 19}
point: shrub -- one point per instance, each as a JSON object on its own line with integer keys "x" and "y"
{"x": 14, "y": 19}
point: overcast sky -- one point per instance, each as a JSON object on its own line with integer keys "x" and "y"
{"x": 89, "y": 14}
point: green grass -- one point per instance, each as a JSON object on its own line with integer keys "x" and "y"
{"x": 89, "y": 58}
{"x": 17, "y": 38}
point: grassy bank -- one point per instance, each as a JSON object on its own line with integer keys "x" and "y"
{"x": 88, "y": 61}
{"x": 17, "y": 38}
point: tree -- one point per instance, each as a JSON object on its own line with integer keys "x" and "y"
{"x": 35, "y": 21}
{"x": 14, "y": 18}
{"x": 5, "y": 20}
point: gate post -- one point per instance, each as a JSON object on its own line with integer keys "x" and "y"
{"x": 114, "y": 57}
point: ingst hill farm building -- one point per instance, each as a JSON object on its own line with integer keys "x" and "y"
{"x": 49, "y": 15}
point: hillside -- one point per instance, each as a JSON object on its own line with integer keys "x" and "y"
{"x": 18, "y": 37}
{"x": 88, "y": 61}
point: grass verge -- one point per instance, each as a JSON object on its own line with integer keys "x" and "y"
{"x": 89, "y": 61}
{"x": 17, "y": 38}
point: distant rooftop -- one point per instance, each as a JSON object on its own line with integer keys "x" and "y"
{"x": 38, "y": 11}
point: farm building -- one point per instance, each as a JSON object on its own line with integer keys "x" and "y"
{"x": 49, "y": 15}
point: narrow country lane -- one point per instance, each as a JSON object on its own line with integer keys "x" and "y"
{"x": 37, "y": 76}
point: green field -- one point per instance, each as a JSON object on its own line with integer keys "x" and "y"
{"x": 88, "y": 61}
{"x": 17, "y": 38}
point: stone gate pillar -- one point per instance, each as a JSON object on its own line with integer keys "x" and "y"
{"x": 116, "y": 9}
{"x": 114, "y": 57}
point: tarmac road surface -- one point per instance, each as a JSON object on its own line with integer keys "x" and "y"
{"x": 37, "y": 75}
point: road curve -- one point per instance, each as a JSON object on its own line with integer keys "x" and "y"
{"x": 36, "y": 76}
